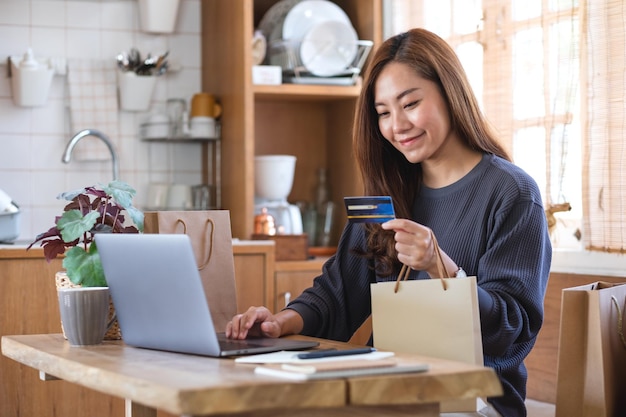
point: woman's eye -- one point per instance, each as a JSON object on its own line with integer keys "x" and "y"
{"x": 382, "y": 114}
{"x": 411, "y": 104}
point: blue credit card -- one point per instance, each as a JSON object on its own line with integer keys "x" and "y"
{"x": 369, "y": 209}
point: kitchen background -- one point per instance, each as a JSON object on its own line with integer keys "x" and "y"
{"x": 32, "y": 139}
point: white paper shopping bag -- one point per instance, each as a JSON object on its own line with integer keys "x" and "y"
{"x": 432, "y": 317}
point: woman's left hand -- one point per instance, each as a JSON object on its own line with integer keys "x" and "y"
{"x": 415, "y": 245}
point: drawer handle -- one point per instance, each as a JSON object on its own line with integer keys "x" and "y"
{"x": 287, "y": 298}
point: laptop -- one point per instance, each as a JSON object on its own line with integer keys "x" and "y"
{"x": 160, "y": 301}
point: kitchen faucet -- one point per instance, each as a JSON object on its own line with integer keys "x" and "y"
{"x": 67, "y": 154}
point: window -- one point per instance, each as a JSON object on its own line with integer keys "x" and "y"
{"x": 550, "y": 75}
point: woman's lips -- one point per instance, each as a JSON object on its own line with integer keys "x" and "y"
{"x": 411, "y": 140}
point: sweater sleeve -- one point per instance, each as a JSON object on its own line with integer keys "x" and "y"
{"x": 513, "y": 274}
{"x": 338, "y": 301}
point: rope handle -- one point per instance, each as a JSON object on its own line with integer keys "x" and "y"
{"x": 441, "y": 268}
{"x": 208, "y": 222}
{"x": 620, "y": 318}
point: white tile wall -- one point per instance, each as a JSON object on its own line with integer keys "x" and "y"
{"x": 32, "y": 139}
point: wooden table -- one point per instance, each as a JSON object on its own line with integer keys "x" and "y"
{"x": 192, "y": 385}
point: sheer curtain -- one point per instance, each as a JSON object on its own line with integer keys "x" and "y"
{"x": 604, "y": 183}
{"x": 551, "y": 77}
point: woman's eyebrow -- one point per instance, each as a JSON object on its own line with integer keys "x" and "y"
{"x": 408, "y": 91}
{"x": 399, "y": 96}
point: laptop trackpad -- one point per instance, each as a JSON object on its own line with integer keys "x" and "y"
{"x": 231, "y": 347}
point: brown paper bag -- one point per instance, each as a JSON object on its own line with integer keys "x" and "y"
{"x": 443, "y": 322}
{"x": 211, "y": 238}
{"x": 591, "y": 371}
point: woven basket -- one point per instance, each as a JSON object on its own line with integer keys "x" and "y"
{"x": 113, "y": 333}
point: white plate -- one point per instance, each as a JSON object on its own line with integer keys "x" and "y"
{"x": 329, "y": 48}
{"x": 306, "y": 14}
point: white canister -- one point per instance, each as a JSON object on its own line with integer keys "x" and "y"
{"x": 157, "y": 196}
{"x": 158, "y": 16}
{"x": 179, "y": 197}
{"x": 30, "y": 80}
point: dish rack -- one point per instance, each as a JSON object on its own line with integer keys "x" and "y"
{"x": 165, "y": 132}
{"x": 285, "y": 53}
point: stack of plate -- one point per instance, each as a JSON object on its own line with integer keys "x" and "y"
{"x": 316, "y": 35}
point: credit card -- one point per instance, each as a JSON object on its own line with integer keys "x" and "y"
{"x": 369, "y": 209}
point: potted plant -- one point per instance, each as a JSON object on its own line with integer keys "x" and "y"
{"x": 91, "y": 210}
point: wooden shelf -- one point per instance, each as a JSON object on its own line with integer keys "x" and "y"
{"x": 180, "y": 140}
{"x": 310, "y": 121}
{"x": 289, "y": 92}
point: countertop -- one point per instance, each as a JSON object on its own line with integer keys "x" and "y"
{"x": 18, "y": 249}
{"x": 23, "y": 244}
{"x": 18, "y": 244}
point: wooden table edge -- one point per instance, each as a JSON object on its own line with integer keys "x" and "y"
{"x": 353, "y": 390}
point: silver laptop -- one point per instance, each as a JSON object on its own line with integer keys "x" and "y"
{"x": 160, "y": 302}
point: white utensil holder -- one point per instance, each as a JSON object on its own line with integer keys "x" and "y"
{"x": 158, "y": 16}
{"x": 135, "y": 91}
{"x": 30, "y": 86}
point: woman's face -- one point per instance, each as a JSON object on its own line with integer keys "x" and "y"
{"x": 412, "y": 114}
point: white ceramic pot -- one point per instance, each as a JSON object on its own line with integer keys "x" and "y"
{"x": 158, "y": 16}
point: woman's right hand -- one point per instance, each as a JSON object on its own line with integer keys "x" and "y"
{"x": 256, "y": 322}
{"x": 260, "y": 322}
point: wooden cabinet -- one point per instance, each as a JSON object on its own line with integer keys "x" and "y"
{"x": 293, "y": 277}
{"x": 312, "y": 122}
{"x": 29, "y": 305}
{"x": 254, "y": 273}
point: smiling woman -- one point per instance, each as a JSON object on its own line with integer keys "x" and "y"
{"x": 436, "y": 155}
{"x": 420, "y": 138}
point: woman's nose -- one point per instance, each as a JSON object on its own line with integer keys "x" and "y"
{"x": 400, "y": 122}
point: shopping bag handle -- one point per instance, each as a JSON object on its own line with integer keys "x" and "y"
{"x": 620, "y": 318}
{"x": 441, "y": 268}
{"x": 212, "y": 224}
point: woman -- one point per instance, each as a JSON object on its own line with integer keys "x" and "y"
{"x": 420, "y": 137}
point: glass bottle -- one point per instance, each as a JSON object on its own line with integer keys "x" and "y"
{"x": 321, "y": 192}
{"x": 324, "y": 208}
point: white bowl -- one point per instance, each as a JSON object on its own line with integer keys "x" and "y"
{"x": 329, "y": 48}
{"x": 157, "y": 126}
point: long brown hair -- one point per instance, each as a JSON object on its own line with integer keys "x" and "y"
{"x": 384, "y": 170}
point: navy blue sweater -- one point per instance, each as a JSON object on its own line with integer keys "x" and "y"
{"x": 492, "y": 224}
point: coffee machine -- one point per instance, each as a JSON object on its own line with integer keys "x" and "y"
{"x": 273, "y": 179}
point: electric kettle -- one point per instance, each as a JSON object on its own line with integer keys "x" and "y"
{"x": 288, "y": 219}
{"x": 9, "y": 218}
